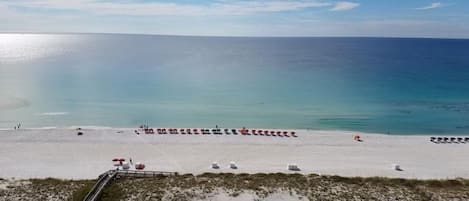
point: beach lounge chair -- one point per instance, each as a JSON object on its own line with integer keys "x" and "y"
{"x": 254, "y": 132}
{"x": 227, "y": 131}
{"x": 445, "y": 139}
{"x": 293, "y": 134}
{"x": 439, "y": 139}
{"x": 452, "y": 139}
{"x": 234, "y": 131}
{"x": 279, "y": 133}
{"x": 260, "y": 132}
{"x": 188, "y": 131}
{"x": 432, "y": 139}
{"x": 183, "y": 131}
{"x": 266, "y": 133}
{"x": 195, "y": 131}
{"x": 460, "y": 140}
{"x": 466, "y": 139}
{"x": 164, "y": 131}
{"x": 285, "y": 133}
{"x": 272, "y": 133}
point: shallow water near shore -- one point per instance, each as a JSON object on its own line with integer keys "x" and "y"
{"x": 384, "y": 85}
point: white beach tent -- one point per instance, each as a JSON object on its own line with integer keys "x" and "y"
{"x": 293, "y": 167}
{"x": 233, "y": 165}
{"x": 125, "y": 166}
{"x": 215, "y": 165}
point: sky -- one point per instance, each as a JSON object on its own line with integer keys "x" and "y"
{"x": 376, "y": 18}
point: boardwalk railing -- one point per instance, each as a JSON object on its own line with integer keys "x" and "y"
{"x": 141, "y": 173}
{"x": 103, "y": 180}
{"x": 106, "y": 177}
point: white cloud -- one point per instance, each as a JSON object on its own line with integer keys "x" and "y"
{"x": 431, "y": 6}
{"x": 344, "y": 5}
{"x": 161, "y": 8}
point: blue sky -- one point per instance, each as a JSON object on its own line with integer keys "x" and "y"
{"x": 395, "y": 18}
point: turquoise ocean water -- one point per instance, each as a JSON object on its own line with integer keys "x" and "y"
{"x": 400, "y": 86}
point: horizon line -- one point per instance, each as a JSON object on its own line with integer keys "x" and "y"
{"x": 230, "y": 36}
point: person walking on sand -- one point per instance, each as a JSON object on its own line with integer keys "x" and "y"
{"x": 130, "y": 159}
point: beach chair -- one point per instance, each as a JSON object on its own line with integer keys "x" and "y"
{"x": 460, "y": 140}
{"x": 227, "y": 131}
{"x": 266, "y": 133}
{"x": 272, "y": 133}
{"x": 452, "y": 139}
{"x": 439, "y": 139}
{"x": 188, "y": 131}
{"x": 234, "y": 132}
{"x": 445, "y": 139}
{"x": 466, "y": 139}
{"x": 254, "y": 132}
{"x": 196, "y": 132}
{"x": 285, "y": 133}
{"x": 183, "y": 131}
{"x": 279, "y": 133}
{"x": 432, "y": 139}
{"x": 164, "y": 131}
{"x": 158, "y": 131}
{"x": 293, "y": 134}
{"x": 260, "y": 132}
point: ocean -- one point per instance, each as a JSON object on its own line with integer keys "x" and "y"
{"x": 385, "y": 85}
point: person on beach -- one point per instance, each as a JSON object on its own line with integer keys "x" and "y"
{"x": 130, "y": 159}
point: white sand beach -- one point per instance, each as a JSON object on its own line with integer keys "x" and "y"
{"x": 61, "y": 153}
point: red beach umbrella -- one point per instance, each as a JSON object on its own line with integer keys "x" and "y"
{"x": 115, "y": 160}
{"x": 121, "y": 159}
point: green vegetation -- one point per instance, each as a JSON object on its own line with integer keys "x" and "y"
{"x": 111, "y": 193}
{"x": 79, "y": 194}
{"x": 260, "y": 186}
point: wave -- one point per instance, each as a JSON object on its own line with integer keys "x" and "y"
{"x": 53, "y": 113}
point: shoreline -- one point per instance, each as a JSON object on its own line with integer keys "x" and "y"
{"x": 60, "y": 153}
{"x": 335, "y": 131}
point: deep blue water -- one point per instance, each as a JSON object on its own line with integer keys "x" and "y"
{"x": 404, "y": 86}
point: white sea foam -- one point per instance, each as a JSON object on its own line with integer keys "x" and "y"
{"x": 91, "y": 127}
{"x": 53, "y": 113}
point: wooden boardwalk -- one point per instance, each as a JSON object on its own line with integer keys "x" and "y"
{"x": 105, "y": 178}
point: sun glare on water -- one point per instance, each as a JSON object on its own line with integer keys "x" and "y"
{"x": 27, "y": 47}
